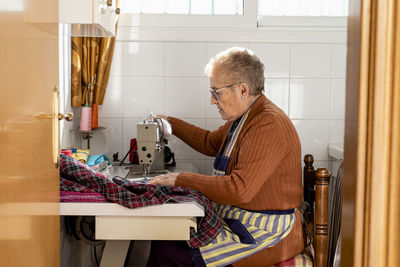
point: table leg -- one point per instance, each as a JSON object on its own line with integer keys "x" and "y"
{"x": 114, "y": 253}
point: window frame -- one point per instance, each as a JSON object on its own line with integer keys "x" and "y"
{"x": 302, "y": 21}
{"x": 247, "y": 20}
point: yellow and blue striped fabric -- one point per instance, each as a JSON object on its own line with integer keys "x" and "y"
{"x": 266, "y": 230}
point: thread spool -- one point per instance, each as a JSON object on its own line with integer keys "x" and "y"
{"x": 95, "y": 116}
{"x": 66, "y": 152}
{"x": 86, "y": 119}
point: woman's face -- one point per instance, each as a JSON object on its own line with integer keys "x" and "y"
{"x": 229, "y": 98}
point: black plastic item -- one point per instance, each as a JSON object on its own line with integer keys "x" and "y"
{"x": 168, "y": 156}
{"x": 85, "y": 229}
{"x": 115, "y": 157}
{"x": 82, "y": 228}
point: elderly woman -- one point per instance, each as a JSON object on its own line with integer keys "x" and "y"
{"x": 257, "y": 177}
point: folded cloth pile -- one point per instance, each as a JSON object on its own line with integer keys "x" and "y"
{"x": 81, "y": 154}
{"x": 78, "y": 177}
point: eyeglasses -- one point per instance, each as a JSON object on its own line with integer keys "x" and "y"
{"x": 215, "y": 92}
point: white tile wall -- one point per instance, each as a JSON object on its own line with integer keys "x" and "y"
{"x": 306, "y": 80}
{"x": 214, "y": 124}
{"x": 145, "y": 58}
{"x": 323, "y": 164}
{"x": 276, "y": 58}
{"x": 314, "y": 137}
{"x": 309, "y": 98}
{"x": 202, "y": 165}
{"x": 339, "y": 61}
{"x": 185, "y": 59}
{"x": 185, "y": 97}
{"x": 277, "y": 90}
{"x": 183, "y": 151}
{"x": 338, "y": 94}
{"x": 117, "y": 62}
{"x": 112, "y": 104}
{"x": 310, "y": 60}
{"x": 208, "y": 166}
{"x": 108, "y": 140}
{"x": 142, "y": 95}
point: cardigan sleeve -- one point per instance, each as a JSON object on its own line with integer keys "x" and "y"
{"x": 203, "y": 141}
{"x": 261, "y": 150}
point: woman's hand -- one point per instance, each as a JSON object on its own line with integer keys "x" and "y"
{"x": 165, "y": 179}
{"x": 162, "y": 117}
{"x": 166, "y": 126}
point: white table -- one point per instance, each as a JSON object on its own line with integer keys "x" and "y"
{"x": 118, "y": 225}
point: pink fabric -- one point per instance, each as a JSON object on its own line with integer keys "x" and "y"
{"x": 70, "y": 196}
{"x": 301, "y": 260}
{"x": 289, "y": 262}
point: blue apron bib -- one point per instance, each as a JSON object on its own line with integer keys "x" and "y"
{"x": 244, "y": 232}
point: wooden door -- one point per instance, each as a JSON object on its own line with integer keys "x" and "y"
{"x": 371, "y": 184}
{"x": 29, "y": 183}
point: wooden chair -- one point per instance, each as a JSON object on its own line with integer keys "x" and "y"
{"x": 316, "y": 196}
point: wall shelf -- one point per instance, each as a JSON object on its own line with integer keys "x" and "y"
{"x": 86, "y": 135}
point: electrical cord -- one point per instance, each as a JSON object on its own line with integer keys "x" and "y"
{"x": 130, "y": 149}
{"x": 95, "y": 252}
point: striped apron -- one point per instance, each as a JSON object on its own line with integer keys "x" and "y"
{"x": 244, "y": 232}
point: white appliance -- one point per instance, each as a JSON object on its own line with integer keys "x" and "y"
{"x": 95, "y": 18}
{"x": 89, "y": 17}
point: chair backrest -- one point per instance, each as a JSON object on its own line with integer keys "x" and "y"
{"x": 316, "y": 195}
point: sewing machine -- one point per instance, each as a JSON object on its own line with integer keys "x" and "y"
{"x": 153, "y": 152}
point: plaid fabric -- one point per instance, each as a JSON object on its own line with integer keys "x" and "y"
{"x": 76, "y": 176}
{"x": 67, "y": 185}
{"x": 71, "y": 196}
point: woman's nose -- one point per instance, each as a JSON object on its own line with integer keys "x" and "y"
{"x": 213, "y": 100}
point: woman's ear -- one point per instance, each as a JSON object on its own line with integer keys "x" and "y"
{"x": 245, "y": 90}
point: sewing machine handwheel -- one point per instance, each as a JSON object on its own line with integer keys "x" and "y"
{"x": 168, "y": 154}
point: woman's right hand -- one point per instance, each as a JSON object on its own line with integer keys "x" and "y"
{"x": 162, "y": 117}
{"x": 166, "y": 126}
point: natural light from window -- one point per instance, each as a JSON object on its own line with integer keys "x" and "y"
{"x": 200, "y": 7}
{"x": 303, "y": 8}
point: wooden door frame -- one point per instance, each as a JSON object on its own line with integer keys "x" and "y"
{"x": 371, "y": 186}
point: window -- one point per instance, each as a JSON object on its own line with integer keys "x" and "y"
{"x": 303, "y": 13}
{"x": 331, "y": 8}
{"x": 199, "y": 7}
{"x": 233, "y": 13}
{"x": 189, "y": 13}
